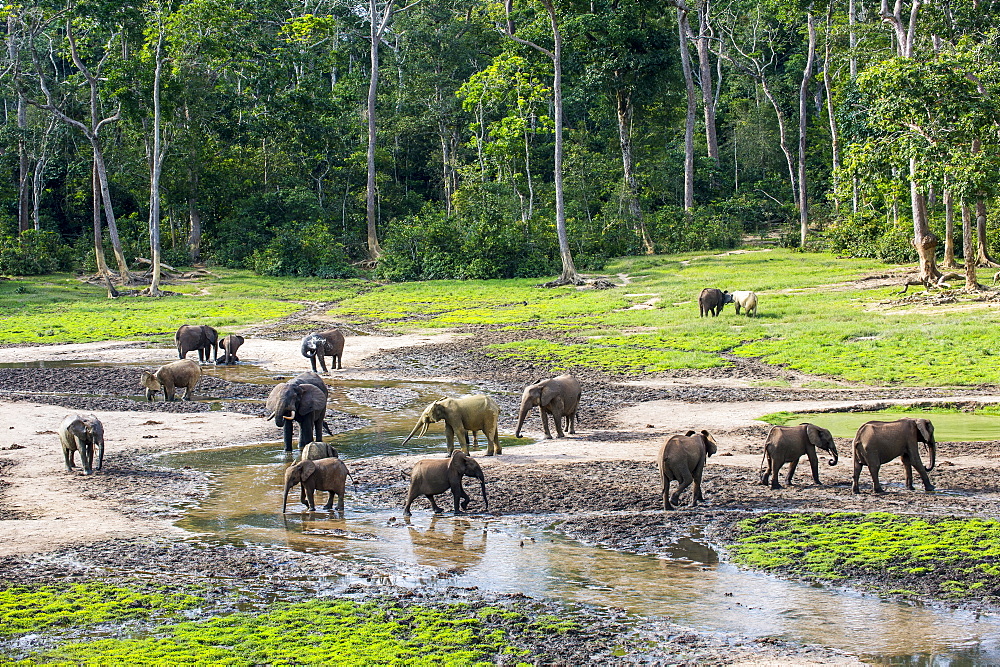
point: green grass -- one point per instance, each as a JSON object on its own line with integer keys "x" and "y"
{"x": 947, "y": 558}
{"x": 330, "y": 632}
{"x": 40, "y": 608}
{"x": 993, "y": 409}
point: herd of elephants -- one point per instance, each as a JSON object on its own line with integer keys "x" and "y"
{"x": 303, "y": 399}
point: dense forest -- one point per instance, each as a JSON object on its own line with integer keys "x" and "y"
{"x": 486, "y": 139}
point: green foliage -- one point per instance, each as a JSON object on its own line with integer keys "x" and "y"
{"x": 674, "y": 231}
{"x": 309, "y": 251}
{"x": 47, "y": 608}
{"x": 34, "y": 253}
{"x": 322, "y": 632}
{"x": 884, "y": 548}
{"x": 867, "y": 235}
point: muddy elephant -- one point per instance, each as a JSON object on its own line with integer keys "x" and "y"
{"x": 461, "y": 415}
{"x": 317, "y": 475}
{"x": 318, "y": 450}
{"x": 878, "y": 442}
{"x": 229, "y": 345}
{"x": 711, "y": 301}
{"x": 300, "y": 400}
{"x": 84, "y": 434}
{"x": 324, "y": 344}
{"x": 682, "y": 458}
{"x": 169, "y": 377}
{"x": 199, "y": 337}
{"x": 558, "y": 396}
{"x": 747, "y": 301}
{"x": 430, "y": 477}
{"x": 787, "y": 444}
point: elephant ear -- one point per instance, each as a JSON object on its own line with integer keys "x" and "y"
{"x": 813, "y": 434}
{"x": 926, "y": 429}
{"x": 548, "y": 395}
{"x": 710, "y": 445}
{"x": 690, "y": 433}
{"x": 306, "y": 469}
{"x": 459, "y": 463}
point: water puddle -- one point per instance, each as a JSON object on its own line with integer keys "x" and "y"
{"x": 948, "y": 426}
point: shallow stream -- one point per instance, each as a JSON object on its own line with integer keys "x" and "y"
{"x": 690, "y": 587}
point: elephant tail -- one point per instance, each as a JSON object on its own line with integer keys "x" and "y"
{"x": 351, "y": 478}
{"x": 326, "y": 427}
{"x": 763, "y": 463}
{"x": 404, "y": 474}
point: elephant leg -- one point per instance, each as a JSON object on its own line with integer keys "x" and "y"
{"x": 684, "y": 481}
{"x": 921, "y": 470}
{"x": 310, "y": 497}
{"x": 858, "y": 464}
{"x": 873, "y": 468}
{"x": 791, "y": 471}
{"x": 557, "y": 418}
{"x": 305, "y": 432}
{"x": 319, "y": 430}
{"x": 287, "y": 434}
{"x": 813, "y": 463}
{"x": 322, "y": 361}
{"x": 666, "y": 495}
{"x": 302, "y": 494}
{"x": 68, "y": 456}
{"x": 409, "y": 501}
{"x": 571, "y": 423}
{"x": 340, "y": 501}
{"x": 776, "y": 464}
{"x": 434, "y": 505}
{"x": 336, "y": 362}
{"x": 908, "y": 470}
{"x": 545, "y": 423}
{"x": 312, "y": 361}
{"x": 698, "y": 497}
{"x": 329, "y": 502}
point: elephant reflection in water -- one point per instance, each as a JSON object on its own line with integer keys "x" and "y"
{"x": 439, "y": 547}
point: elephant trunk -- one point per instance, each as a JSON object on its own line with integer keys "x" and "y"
{"x": 933, "y": 447}
{"x": 833, "y": 461}
{"x": 482, "y": 483}
{"x": 520, "y": 419}
{"x": 415, "y": 427}
{"x": 289, "y": 483}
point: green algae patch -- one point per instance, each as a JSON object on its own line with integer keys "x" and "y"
{"x": 328, "y": 632}
{"x": 613, "y": 358}
{"x": 39, "y": 608}
{"x": 940, "y": 557}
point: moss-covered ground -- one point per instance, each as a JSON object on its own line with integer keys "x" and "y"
{"x": 945, "y": 558}
{"x": 328, "y": 631}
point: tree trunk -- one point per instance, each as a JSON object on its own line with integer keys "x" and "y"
{"x": 983, "y": 253}
{"x": 852, "y": 38}
{"x": 949, "y": 230}
{"x": 830, "y": 111}
{"x": 569, "y": 274}
{"x": 924, "y": 240}
{"x": 969, "y": 248}
{"x": 803, "y": 126}
{"x": 707, "y": 93}
{"x": 374, "y": 250}
{"x": 625, "y": 110}
{"x": 194, "y": 216}
{"x": 102, "y": 265}
{"x": 782, "y": 138}
{"x": 23, "y": 178}
{"x": 156, "y": 167}
{"x": 682, "y": 31}
{"x": 109, "y": 213}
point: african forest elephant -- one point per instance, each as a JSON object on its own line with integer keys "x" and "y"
{"x": 558, "y": 396}
{"x": 169, "y": 377}
{"x": 433, "y": 476}
{"x": 300, "y": 400}
{"x": 469, "y": 413}
{"x": 85, "y": 434}
{"x": 877, "y": 442}
{"x": 229, "y": 345}
{"x": 324, "y": 344}
{"x": 711, "y": 301}
{"x": 747, "y": 301}
{"x": 199, "y": 337}
{"x": 787, "y": 444}
{"x": 319, "y": 475}
{"x": 682, "y": 458}
{"x": 318, "y": 450}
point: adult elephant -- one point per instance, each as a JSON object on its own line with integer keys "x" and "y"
{"x": 324, "y": 344}
{"x": 558, "y": 396}
{"x": 712, "y": 300}
{"x": 460, "y": 415}
{"x": 84, "y": 434}
{"x": 430, "y": 477}
{"x": 301, "y": 400}
{"x": 199, "y": 337}
{"x": 682, "y": 458}
{"x": 229, "y": 345}
{"x": 787, "y": 444}
{"x": 170, "y": 377}
{"x": 328, "y": 474}
{"x": 878, "y": 442}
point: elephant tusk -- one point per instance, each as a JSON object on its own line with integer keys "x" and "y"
{"x": 270, "y": 417}
{"x": 291, "y": 416}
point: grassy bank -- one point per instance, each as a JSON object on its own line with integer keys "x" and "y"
{"x": 944, "y": 558}
{"x": 812, "y": 317}
{"x": 329, "y": 631}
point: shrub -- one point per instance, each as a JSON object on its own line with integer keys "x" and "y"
{"x": 864, "y": 234}
{"x": 310, "y": 251}
{"x": 33, "y": 253}
{"x": 705, "y": 228}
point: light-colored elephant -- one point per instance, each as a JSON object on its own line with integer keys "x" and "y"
{"x": 747, "y": 301}
{"x": 682, "y": 458}
{"x": 84, "y": 434}
{"x": 318, "y": 450}
{"x": 558, "y": 396}
{"x": 469, "y": 413}
{"x": 169, "y": 377}
{"x": 879, "y": 442}
{"x": 787, "y": 444}
{"x": 430, "y": 477}
{"x": 320, "y": 475}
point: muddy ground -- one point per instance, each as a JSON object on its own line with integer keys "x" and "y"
{"x": 601, "y": 484}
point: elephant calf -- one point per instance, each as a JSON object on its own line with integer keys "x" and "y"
{"x": 184, "y": 373}
{"x": 558, "y": 396}
{"x": 229, "y": 345}
{"x": 433, "y": 476}
{"x": 747, "y": 301}
{"x": 682, "y": 458}
{"x": 330, "y": 343}
{"x": 879, "y": 442}
{"x": 787, "y": 444}
{"x": 328, "y": 474}
{"x": 84, "y": 434}
{"x": 712, "y": 300}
